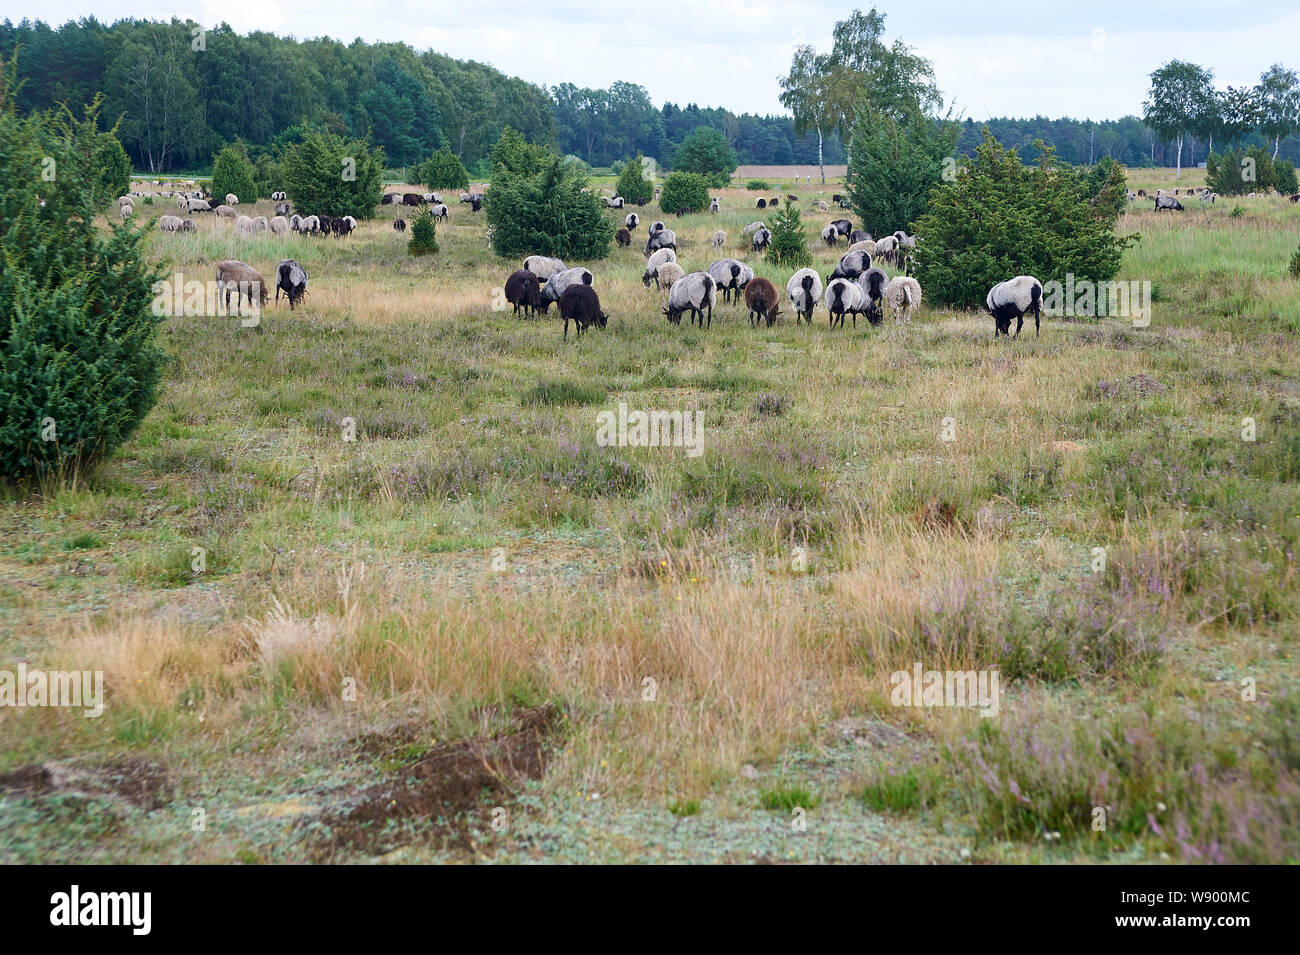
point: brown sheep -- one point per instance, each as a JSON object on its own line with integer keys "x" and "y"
{"x": 762, "y": 301}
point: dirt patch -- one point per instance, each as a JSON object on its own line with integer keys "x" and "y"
{"x": 142, "y": 784}
{"x": 442, "y": 784}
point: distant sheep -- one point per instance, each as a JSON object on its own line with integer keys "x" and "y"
{"x": 713, "y": 205}
{"x": 197, "y": 205}
{"x": 438, "y": 210}
{"x": 760, "y": 203}
{"x": 1014, "y": 298}
{"x": 695, "y": 293}
{"x": 902, "y": 294}
{"x": 752, "y": 228}
{"x": 762, "y": 239}
{"x": 663, "y": 239}
{"x": 843, "y": 226}
{"x": 866, "y": 245}
{"x": 615, "y": 203}
{"x": 282, "y": 208}
{"x": 719, "y": 239}
{"x": 523, "y": 291}
{"x": 244, "y": 225}
{"x": 290, "y": 278}
{"x": 830, "y": 235}
{"x": 279, "y": 225}
{"x": 126, "y": 211}
{"x": 399, "y": 225}
{"x": 762, "y": 301}
{"x": 277, "y": 196}
{"x": 822, "y": 206}
{"x": 242, "y": 279}
{"x": 261, "y": 224}
{"x": 623, "y": 238}
{"x": 232, "y": 199}
{"x": 581, "y": 304}
{"x": 226, "y": 212}
{"x": 652, "y": 266}
{"x": 631, "y": 221}
{"x": 170, "y": 223}
{"x": 1168, "y": 202}
{"x": 805, "y": 291}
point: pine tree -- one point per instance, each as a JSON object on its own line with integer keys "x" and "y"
{"x": 424, "y": 234}
{"x": 633, "y": 186}
{"x": 789, "y": 245}
{"x": 233, "y": 173}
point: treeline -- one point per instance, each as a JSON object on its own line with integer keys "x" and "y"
{"x": 182, "y": 93}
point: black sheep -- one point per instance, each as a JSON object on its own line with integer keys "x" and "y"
{"x": 524, "y": 291}
{"x": 399, "y": 225}
{"x": 623, "y": 237}
{"x": 290, "y": 278}
{"x": 582, "y": 304}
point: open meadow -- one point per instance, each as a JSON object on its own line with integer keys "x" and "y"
{"x": 474, "y": 634}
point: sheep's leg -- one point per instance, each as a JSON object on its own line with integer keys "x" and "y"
{"x": 1020, "y": 323}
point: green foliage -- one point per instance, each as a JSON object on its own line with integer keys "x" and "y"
{"x": 80, "y": 365}
{"x": 1001, "y": 218}
{"x": 707, "y": 153}
{"x": 758, "y": 185}
{"x": 268, "y": 175}
{"x": 442, "y": 170}
{"x": 684, "y": 190}
{"x": 1287, "y": 183}
{"x": 424, "y": 234}
{"x": 515, "y": 155}
{"x": 1108, "y": 185}
{"x": 547, "y": 214}
{"x": 632, "y": 185}
{"x": 113, "y": 169}
{"x": 789, "y": 246}
{"x": 1295, "y": 264}
{"x": 327, "y": 174}
{"x": 789, "y": 798}
{"x": 894, "y": 164}
{"x": 232, "y": 172}
{"x": 1238, "y": 171}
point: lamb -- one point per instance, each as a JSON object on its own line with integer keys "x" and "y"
{"x": 667, "y": 274}
{"x": 873, "y": 282}
{"x": 1168, "y": 202}
{"x": 805, "y": 291}
{"x": 713, "y": 205}
{"x": 903, "y": 293}
{"x": 844, "y": 297}
{"x": 719, "y": 239}
{"x": 695, "y": 293}
{"x": 663, "y": 239}
{"x": 279, "y": 225}
{"x": 242, "y": 279}
{"x": 291, "y": 278}
{"x": 830, "y": 235}
{"x": 543, "y": 266}
{"x": 399, "y": 225}
{"x": 1014, "y": 298}
{"x": 439, "y": 210}
{"x": 752, "y": 228}
{"x": 232, "y": 199}
{"x": 762, "y": 239}
{"x": 761, "y": 300}
{"x": 851, "y": 265}
{"x": 226, "y": 212}
{"x": 728, "y": 275}
{"x": 522, "y": 291}
{"x": 582, "y": 304}
{"x": 557, "y": 283}
{"x": 631, "y": 221}
{"x": 652, "y": 266}
{"x": 282, "y": 208}
{"x": 760, "y": 203}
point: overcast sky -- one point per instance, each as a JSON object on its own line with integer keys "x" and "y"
{"x": 991, "y": 57}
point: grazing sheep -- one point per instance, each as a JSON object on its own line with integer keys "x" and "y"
{"x": 668, "y": 273}
{"x": 791, "y": 197}
{"x": 476, "y": 203}
{"x": 399, "y": 225}
{"x": 1209, "y": 197}
{"x": 615, "y": 203}
{"x": 543, "y": 266}
{"x": 276, "y": 196}
{"x": 523, "y": 291}
{"x": 830, "y": 235}
{"x": 182, "y": 201}
{"x": 1014, "y": 298}
{"x": 752, "y": 228}
{"x": 1168, "y": 202}
{"x": 415, "y": 199}
{"x": 682, "y": 212}
{"x": 126, "y": 200}
{"x": 719, "y": 239}
{"x": 760, "y": 203}
{"x": 873, "y": 282}
{"x": 187, "y": 225}
{"x": 866, "y": 245}
{"x": 843, "y": 226}
{"x": 244, "y": 225}
{"x": 197, "y": 205}
{"x": 836, "y": 197}
{"x": 226, "y": 212}
{"x": 774, "y": 201}
{"x": 887, "y": 250}
{"x": 695, "y": 293}
{"x": 905, "y": 241}
{"x": 310, "y": 224}
{"x": 844, "y": 203}
{"x": 560, "y": 281}
{"x": 279, "y": 225}
{"x": 291, "y": 278}
{"x": 170, "y": 223}
{"x": 762, "y": 301}
{"x": 1296, "y": 197}
{"x": 438, "y": 210}
{"x": 762, "y": 239}
{"x": 582, "y": 304}
{"x": 805, "y": 291}
{"x": 623, "y": 238}
{"x": 902, "y": 294}
{"x": 657, "y": 226}
{"x": 391, "y": 198}
{"x": 126, "y": 211}
{"x": 663, "y": 239}
{"x": 631, "y": 221}
{"x": 858, "y": 235}
{"x": 465, "y": 196}
{"x": 343, "y": 225}
{"x": 261, "y": 224}
{"x": 727, "y": 275}
{"x": 844, "y": 297}
{"x": 822, "y": 206}
{"x": 652, "y": 266}
{"x": 242, "y": 279}
{"x": 713, "y": 205}
{"x": 295, "y": 223}
{"x": 282, "y": 209}
{"x": 232, "y": 199}
{"x": 851, "y": 265}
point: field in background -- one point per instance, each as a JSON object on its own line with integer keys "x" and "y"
{"x": 474, "y": 634}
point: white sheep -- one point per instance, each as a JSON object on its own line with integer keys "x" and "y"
{"x": 244, "y": 225}
{"x": 262, "y": 224}
{"x": 279, "y": 225}
{"x": 903, "y": 293}
{"x": 631, "y": 221}
{"x": 226, "y": 212}
{"x": 713, "y": 204}
{"x": 728, "y": 276}
{"x": 695, "y": 293}
{"x": 1014, "y": 298}
{"x": 752, "y": 228}
{"x": 126, "y": 211}
{"x": 543, "y": 266}
{"x": 866, "y": 245}
{"x": 668, "y": 273}
{"x": 232, "y": 199}
{"x": 805, "y": 291}
{"x": 830, "y": 235}
{"x": 652, "y": 266}
{"x": 844, "y": 297}
{"x": 170, "y": 223}
{"x": 719, "y": 239}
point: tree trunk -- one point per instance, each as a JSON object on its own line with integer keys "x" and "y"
{"x": 1179, "y": 173}
{"x": 820, "y": 164}
{"x": 1276, "y": 139}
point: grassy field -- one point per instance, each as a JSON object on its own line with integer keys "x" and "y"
{"x": 472, "y": 634}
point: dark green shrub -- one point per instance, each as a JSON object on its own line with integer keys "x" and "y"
{"x": 547, "y": 214}
{"x": 326, "y": 174}
{"x": 707, "y": 153}
{"x": 1295, "y": 264}
{"x": 515, "y": 155}
{"x": 632, "y": 185}
{"x": 684, "y": 190}
{"x": 758, "y": 185}
{"x": 789, "y": 246}
{"x": 80, "y": 366}
{"x": 233, "y": 173}
{"x": 424, "y": 234}
{"x": 894, "y": 165}
{"x": 442, "y": 170}
{"x": 1287, "y": 182}
{"x": 1238, "y": 172}
{"x": 112, "y": 169}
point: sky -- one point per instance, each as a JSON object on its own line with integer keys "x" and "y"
{"x": 991, "y": 57}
